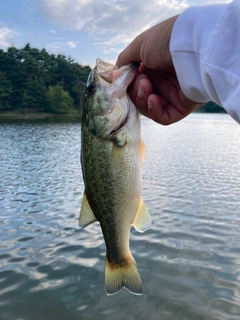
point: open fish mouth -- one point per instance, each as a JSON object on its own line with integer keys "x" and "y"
{"x": 106, "y": 76}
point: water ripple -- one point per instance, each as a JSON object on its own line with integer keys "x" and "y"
{"x": 189, "y": 258}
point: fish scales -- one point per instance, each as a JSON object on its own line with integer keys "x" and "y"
{"x": 107, "y": 209}
{"x": 110, "y": 156}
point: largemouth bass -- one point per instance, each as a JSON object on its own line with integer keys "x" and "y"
{"x": 111, "y": 157}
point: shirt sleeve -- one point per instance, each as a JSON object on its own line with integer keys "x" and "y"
{"x": 205, "y": 48}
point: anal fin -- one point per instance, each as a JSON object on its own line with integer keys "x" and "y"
{"x": 143, "y": 219}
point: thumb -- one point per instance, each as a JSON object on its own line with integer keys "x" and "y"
{"x": 132, "y": 53}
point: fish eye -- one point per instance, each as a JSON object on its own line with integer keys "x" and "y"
{"x": 91, "y": 86}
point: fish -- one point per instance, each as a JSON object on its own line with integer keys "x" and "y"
{"x": 112, "y": 152}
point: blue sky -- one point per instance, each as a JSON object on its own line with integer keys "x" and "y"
{"x": 83, "y": 29}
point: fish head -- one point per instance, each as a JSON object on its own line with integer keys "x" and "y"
{"x": 106, "y": 103}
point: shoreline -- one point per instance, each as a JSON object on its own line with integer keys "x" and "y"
{"x": 38, "y": 115}
{"x": 16, "y": 115}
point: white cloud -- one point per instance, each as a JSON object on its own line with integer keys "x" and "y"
{"x": 72, "y": 44}
{"x": 53, "y": 31}
{"x": 113, "y": 23}
{"x": 7, "y": 37}
{"x": 115, "y": 16}
{"x": 60, "y": 46}
{"x": 112, "y": 50}
{"x": 206, "y": 2}
{"x": 56, "y": 46}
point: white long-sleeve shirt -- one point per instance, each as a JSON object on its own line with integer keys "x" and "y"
{"x": 205, "y": 47}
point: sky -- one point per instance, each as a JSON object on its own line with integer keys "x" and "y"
{"x": 84, "y": 29}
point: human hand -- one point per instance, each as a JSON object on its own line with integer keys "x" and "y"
{"x": 156, "y": 91}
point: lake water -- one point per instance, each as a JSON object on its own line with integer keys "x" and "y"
{"x": 189, "y": 259}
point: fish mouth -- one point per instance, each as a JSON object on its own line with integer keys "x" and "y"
{"x": 104, "y": 71}
{"x": 107, "y": 75}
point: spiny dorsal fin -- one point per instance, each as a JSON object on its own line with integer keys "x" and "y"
{"x": 86, "y": 215}
{"x": 142, "y": 154}
{"x": 124, "y": 275}
{"x": 142, "y": 220}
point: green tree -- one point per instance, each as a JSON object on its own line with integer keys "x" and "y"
{"x": 35, "y": 95}
{"x": 5, "y": 92}
{"x": 27, "y": 75}
{"x": 59, "y": 101}
{"x": 212, "y": 107}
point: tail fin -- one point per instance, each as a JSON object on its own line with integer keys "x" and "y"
{"x": 121, "y": 276}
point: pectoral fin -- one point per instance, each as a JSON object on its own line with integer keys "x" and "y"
{"x": 116, "y": 156}
{"x": 142, "y": 220}
{"x": 86, "y": 215}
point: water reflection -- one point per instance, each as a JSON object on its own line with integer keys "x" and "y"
{"x": 189, "y": 259}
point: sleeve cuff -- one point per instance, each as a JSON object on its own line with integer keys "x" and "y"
{"x": 189, "y": 39}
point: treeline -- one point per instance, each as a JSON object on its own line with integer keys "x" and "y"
{"x": 32, "y": 80}
{"x": 212, "y": 107}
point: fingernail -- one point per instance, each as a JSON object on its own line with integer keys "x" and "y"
{"x": 149, "y": 104}
{"x": 141, "y": 91}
